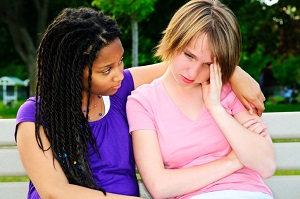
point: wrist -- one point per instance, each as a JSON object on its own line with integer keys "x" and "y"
{"x": 216, "y": 110}
{"x": 233, "y": 162}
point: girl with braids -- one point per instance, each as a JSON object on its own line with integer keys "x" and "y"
{"x": 73, "y": 136}
{"x": 216, "y": 150}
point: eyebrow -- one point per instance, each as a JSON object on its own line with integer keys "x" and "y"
{"x": 195, "y": 56}
{"x": 111, "y": 64}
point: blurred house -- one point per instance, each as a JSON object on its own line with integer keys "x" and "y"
{"x": 13, "y": 88}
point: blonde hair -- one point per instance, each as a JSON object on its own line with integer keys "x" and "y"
{"x": 209, "y": 17}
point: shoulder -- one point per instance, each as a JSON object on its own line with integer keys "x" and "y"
{"x": 146, "y": 94}
{"x": 127, "y": 85}
{"x": 128, "y": 80}
{"x": 26, "y": 112}
{"x": 148, "y": 90}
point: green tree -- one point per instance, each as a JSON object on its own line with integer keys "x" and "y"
{"x": 270, "y": 33}
{"x": 13, "y": 13}
{"x": 137, "y": 10}
{"x": 26, "y": 20}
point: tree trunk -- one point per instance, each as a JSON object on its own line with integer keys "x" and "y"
{"x": 25, "y": 44}
{"x": 27, "y": 50}
{"x": 135, "y": 41}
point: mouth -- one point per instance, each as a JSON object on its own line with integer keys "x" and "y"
{"x": 186, "y": 80}
{"x": 117, "y": 87}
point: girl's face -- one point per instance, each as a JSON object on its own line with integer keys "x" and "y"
{"x": 107, "y": 70}
{"x": 191, "y": 67}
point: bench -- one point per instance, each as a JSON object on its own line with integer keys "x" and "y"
{"x": 284, "y": 128}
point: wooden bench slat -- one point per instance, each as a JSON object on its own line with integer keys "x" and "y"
{"x": 10, "y": 164}
{"x": 284, "y": 187}
{"x": 287, "y": 156}
{"x": 7, "y": 131}
{"x": 283, "y": 125}
{"x": 13, "y": 190}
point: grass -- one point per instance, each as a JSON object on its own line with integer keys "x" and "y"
{"x": 281, "y": 106}
{"x": 10, "y": 111}
{"x": 14, "y": 179}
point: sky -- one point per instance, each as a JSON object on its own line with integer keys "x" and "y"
{"x": 270, "y": 2}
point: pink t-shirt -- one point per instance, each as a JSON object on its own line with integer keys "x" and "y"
{"x": 186, "y": 143}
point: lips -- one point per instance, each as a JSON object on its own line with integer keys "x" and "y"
{"x": 186, "y": 80}
{"x": 117, "y": 87}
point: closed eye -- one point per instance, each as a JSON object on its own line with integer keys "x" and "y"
{"x": 208, "y": 64}
{"x": 188, "y": 55}
{"x": 107, "y": 71}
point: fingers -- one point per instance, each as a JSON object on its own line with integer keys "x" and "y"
{"x": 250, "y": 122}
{"x": 259, "y": 103}
{"x": 217, "y": 72}
{"x": 259, "y": 106}
{"x": 264, "y": 133}
{"x": 256, "y": 126}
{"x": 247, "y": 105}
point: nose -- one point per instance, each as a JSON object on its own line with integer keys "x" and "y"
{"x": 119, "y": 75}
{"x": 193, "y": 71}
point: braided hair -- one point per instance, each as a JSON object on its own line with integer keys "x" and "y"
{"x": 70, "y": 43}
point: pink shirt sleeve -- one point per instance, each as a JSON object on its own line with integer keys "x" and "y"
{"x": 139, "y": 111}
{"x": 230, "y": 101}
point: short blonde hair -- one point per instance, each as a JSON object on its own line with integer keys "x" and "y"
{"x": 209, "y": 17}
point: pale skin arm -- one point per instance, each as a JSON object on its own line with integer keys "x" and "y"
{"x": 165, "y": 183}
{"x": 50, "y": 182}
{"x": 243, "y": 85}
{"x": 253, "y": 150}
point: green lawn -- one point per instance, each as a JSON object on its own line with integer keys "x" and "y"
{"x": 9, "y": 111}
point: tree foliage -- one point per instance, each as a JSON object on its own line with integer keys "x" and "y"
{"x": 270, "y": 33}
{"x": 137, "y": 10}
{"x": 25, "y": 21}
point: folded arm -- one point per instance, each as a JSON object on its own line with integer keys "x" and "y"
{"x": 165, "y": 183}
{"x": 253, "y": 150}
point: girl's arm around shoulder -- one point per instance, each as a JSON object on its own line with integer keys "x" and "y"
{"x": 247, "y": 90}
{"x": 46, "y": 175}
{"x": 146, "y": 74}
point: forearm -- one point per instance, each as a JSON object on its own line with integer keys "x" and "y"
{"x": 168, "y": 183}
{"x": 254, "y": 151}
{"x": 247, "y": 90}
{"x": 146, "y": 74}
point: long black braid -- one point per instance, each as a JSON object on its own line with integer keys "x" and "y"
{"x": 71, "y": 42}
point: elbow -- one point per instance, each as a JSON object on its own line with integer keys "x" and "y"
{"x": 50, "y": 193}
{"x": 157, "y": 190}
{"x": 269, "y": 169}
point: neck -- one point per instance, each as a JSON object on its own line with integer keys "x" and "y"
{"x": 171, "y": 84}
{"x": 96, "y": 108}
